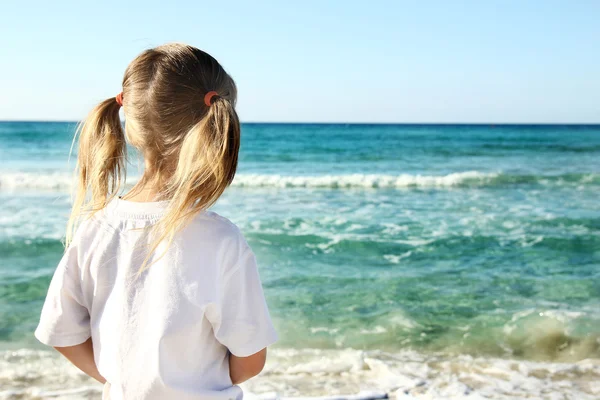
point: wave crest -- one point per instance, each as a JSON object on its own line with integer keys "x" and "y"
{"x": 362, "y": 180}
{"x": 63, "y": 181}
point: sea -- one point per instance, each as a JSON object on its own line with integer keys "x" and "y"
{"x": 407, "y": 261}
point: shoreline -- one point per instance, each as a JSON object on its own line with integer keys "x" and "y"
{"x": 347, "y": 374}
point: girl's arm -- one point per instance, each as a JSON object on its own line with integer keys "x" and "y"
{"x": 82, "y": 356}
{"x": 243, "y": 368}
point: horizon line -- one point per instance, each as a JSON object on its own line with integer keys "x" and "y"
{"x": 356, "y": 123}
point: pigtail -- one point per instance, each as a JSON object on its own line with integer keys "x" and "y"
{"x": 100, "y": 162}
{"x": 206, "y": 165}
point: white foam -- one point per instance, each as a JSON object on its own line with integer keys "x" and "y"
{"x": 331, "y": 331}
{"x": 345, "y": 374}
{"x": 361, "y": 180}
{"x": 393, "y": 229}
{"x": 395, "y": 259}
{"x": 57, "y": 181}
{"x": 23, "y": 180}
{"x": 14, "y": 180}
{"x": 373, "y": 331}
{"x": 48, "y": 181}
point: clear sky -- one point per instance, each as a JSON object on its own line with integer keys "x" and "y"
{"x": 319, "y": 61}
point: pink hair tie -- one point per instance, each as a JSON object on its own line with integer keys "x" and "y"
{"x": 208, "y": 97}
{"x": 119, "y": 99}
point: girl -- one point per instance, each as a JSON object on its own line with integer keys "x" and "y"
{"x": 155, "y": 295}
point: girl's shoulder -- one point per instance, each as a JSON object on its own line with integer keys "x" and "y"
{"x": 211, "y": 226}
{"x": 217, "y": 219}
{"x": 88, "y": 227}
{"x": 212, "y": 236}
{"x": 214, "y": 221}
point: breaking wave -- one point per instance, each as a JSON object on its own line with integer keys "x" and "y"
{"x": 63, "y": 181}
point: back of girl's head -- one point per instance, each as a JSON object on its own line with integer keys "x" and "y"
{"x": 188, "y": 135}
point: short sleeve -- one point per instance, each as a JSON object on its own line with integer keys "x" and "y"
{"x": 64, "y": 321}
{"x": 244, "y": 325}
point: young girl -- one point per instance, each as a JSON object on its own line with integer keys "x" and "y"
{"x": 155, "y": 295}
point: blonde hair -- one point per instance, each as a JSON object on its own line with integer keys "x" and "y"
{"x": 190, "y": 148}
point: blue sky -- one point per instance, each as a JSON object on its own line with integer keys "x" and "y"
{"x": 319, "y": 61}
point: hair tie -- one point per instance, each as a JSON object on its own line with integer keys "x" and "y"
{"x": 119, "y": 99}
{"x": 208, "y": 97}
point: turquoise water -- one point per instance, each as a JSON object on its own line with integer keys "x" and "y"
{"x": 482, "y": 240}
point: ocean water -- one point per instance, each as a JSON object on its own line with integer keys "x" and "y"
{"x": 421, "y": 261}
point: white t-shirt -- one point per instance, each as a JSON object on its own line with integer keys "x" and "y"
{"x": 164, "y": 334}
